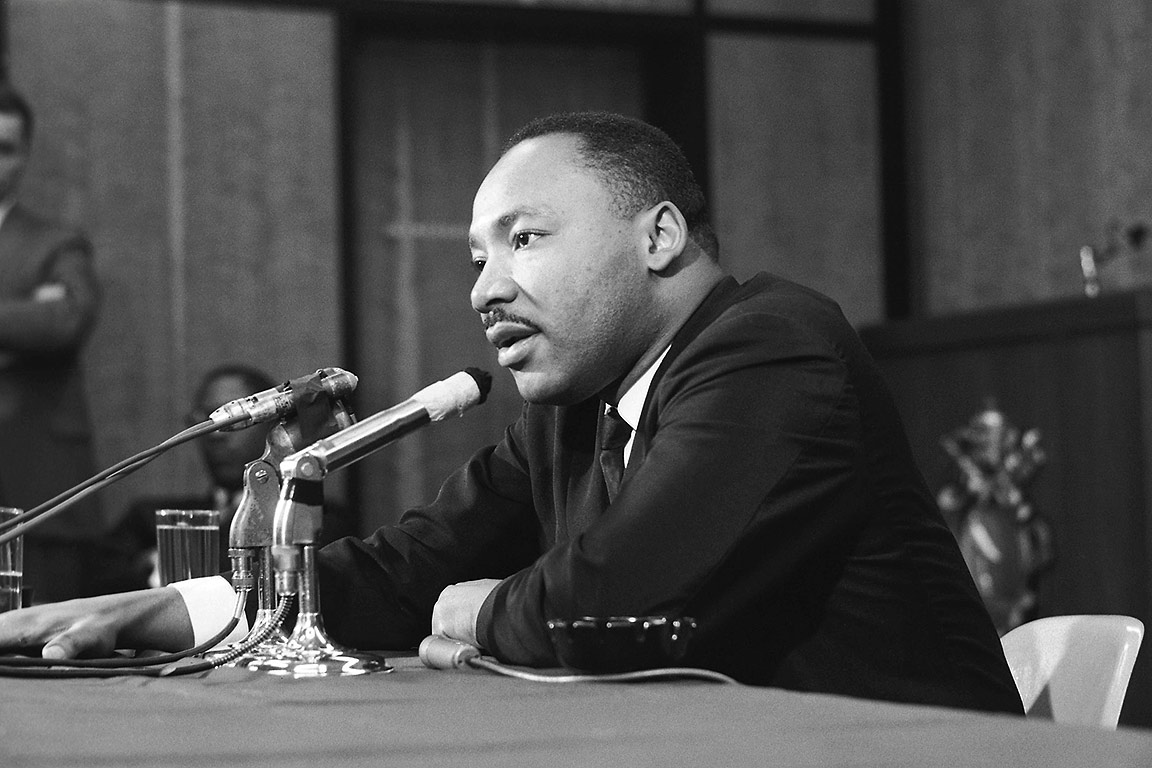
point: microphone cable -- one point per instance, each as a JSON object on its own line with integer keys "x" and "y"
{"x": 10, "y": 529}
{"x": 440, "y": 652}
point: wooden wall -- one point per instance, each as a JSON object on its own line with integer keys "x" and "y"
{"x": 795, "y": 163}
{"x": 1080, "y": 372}
{"x": 1028, "y": 134}
{"x": 416, "y": 163}
{"x": 196, "y": 144}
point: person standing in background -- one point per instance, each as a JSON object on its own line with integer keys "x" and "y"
{"x": 49, "y": 296}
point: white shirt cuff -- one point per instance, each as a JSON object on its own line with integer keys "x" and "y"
{"x": 210, "y": 602}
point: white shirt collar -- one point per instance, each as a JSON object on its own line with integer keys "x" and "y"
{"x": 632, "y": 402}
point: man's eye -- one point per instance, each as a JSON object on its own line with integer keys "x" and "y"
{"x": 478, "y": 264}
{"x": 522, "y": 239}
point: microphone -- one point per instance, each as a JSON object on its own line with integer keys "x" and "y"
{"x": 297, "y": 518}
{"x": 281, "y": 400}
{"x": 435, "y": 402}
{"x": 438, "y": 652}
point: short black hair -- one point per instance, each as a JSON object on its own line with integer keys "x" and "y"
{"x": 641, "y": 163}
{"x": 12, "y": 103}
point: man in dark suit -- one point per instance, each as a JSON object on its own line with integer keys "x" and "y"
{"x": 768, "y": 489}
{"x": 48, "y": 302}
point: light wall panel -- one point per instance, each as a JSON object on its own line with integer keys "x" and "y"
{"x": 1028, "y": 126}
{"x": 194, "y": 143}
{"x": 795, "y": 164}
{"x": 850, "y": 11}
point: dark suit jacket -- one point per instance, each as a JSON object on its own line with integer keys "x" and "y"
{"x": 45, "y": 435}
{"x": 770, "y": 494}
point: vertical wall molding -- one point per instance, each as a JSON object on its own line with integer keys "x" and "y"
{"x": 177, "y": 202}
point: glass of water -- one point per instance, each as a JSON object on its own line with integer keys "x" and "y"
{"x": 11, "y": 565}
{"x": 187, "y": 543}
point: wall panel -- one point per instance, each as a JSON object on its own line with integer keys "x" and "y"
{"x": 195, "y": 144}
{"x": 430, "y": 115}
{"x": 795, "y": 164}
{"x": 809, "y": 10}
{"x": 1028, "y": 127}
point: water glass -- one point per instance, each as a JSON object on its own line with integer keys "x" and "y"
{"x": 187, "y": 543}
{"x": 11, "y": 565}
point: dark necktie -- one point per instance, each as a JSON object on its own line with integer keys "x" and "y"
{"x": 614, "y": 435}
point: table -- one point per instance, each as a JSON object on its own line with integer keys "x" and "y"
{"x": 421, "y": 717}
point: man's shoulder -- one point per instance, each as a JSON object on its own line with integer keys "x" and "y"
{"x": 766, "y": 305}
{"x": 766, "y": 291}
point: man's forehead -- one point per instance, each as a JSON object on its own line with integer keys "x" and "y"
{"x": 532, "y": 178}
{"x": 533, "y": 161}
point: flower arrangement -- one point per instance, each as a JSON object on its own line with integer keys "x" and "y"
{"x": 1004, "y": 542}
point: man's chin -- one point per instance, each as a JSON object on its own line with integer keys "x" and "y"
{"x": 540, "y": 389}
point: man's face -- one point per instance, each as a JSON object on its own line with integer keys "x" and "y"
{"x": 227, "y": 453}
{"x": 13, "y": 153}
{"x": 563, "y": 286}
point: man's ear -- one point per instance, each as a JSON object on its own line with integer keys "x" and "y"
{"x": 665, "y": 234}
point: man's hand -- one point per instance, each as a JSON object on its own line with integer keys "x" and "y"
{"x": 95, "y": 626}
{"x": 455, "y": 612}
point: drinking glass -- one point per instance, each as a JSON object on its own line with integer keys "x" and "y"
{"x": 11, "y": 565}
{"x": 188, "y": 543}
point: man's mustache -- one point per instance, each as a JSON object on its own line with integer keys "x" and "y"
{"x": 499, "y": 315}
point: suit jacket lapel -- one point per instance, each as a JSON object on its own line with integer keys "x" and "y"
{"x": 719, "y": 299}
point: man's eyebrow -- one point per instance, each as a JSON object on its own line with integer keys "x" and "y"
{"x": 505, "y": 221}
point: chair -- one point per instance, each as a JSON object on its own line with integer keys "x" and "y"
{"x": 1074, "y": 669}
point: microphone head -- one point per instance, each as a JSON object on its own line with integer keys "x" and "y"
{"x": 337, "y": 382}
{"x": 455, "y": 394}
{"x": 483, "y": 381}
{"x": 277, "y": 402}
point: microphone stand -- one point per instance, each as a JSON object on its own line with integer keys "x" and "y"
{"x": 299, "y": 511}
{"x": 308, "y": 652}
{"x": 250, "y": 534}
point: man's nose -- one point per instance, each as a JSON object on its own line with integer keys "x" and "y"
{"x": 493, "y": 287}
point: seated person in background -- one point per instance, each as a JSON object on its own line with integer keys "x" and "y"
{"x": 769, "y": 490}
{"x": 126, "y": 558}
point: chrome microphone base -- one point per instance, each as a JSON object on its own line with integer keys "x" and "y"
{"x": 309, "y": 653}
{"x": 338, "y": 663}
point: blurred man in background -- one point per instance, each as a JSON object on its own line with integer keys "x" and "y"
{"x": 48, "y": 302}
